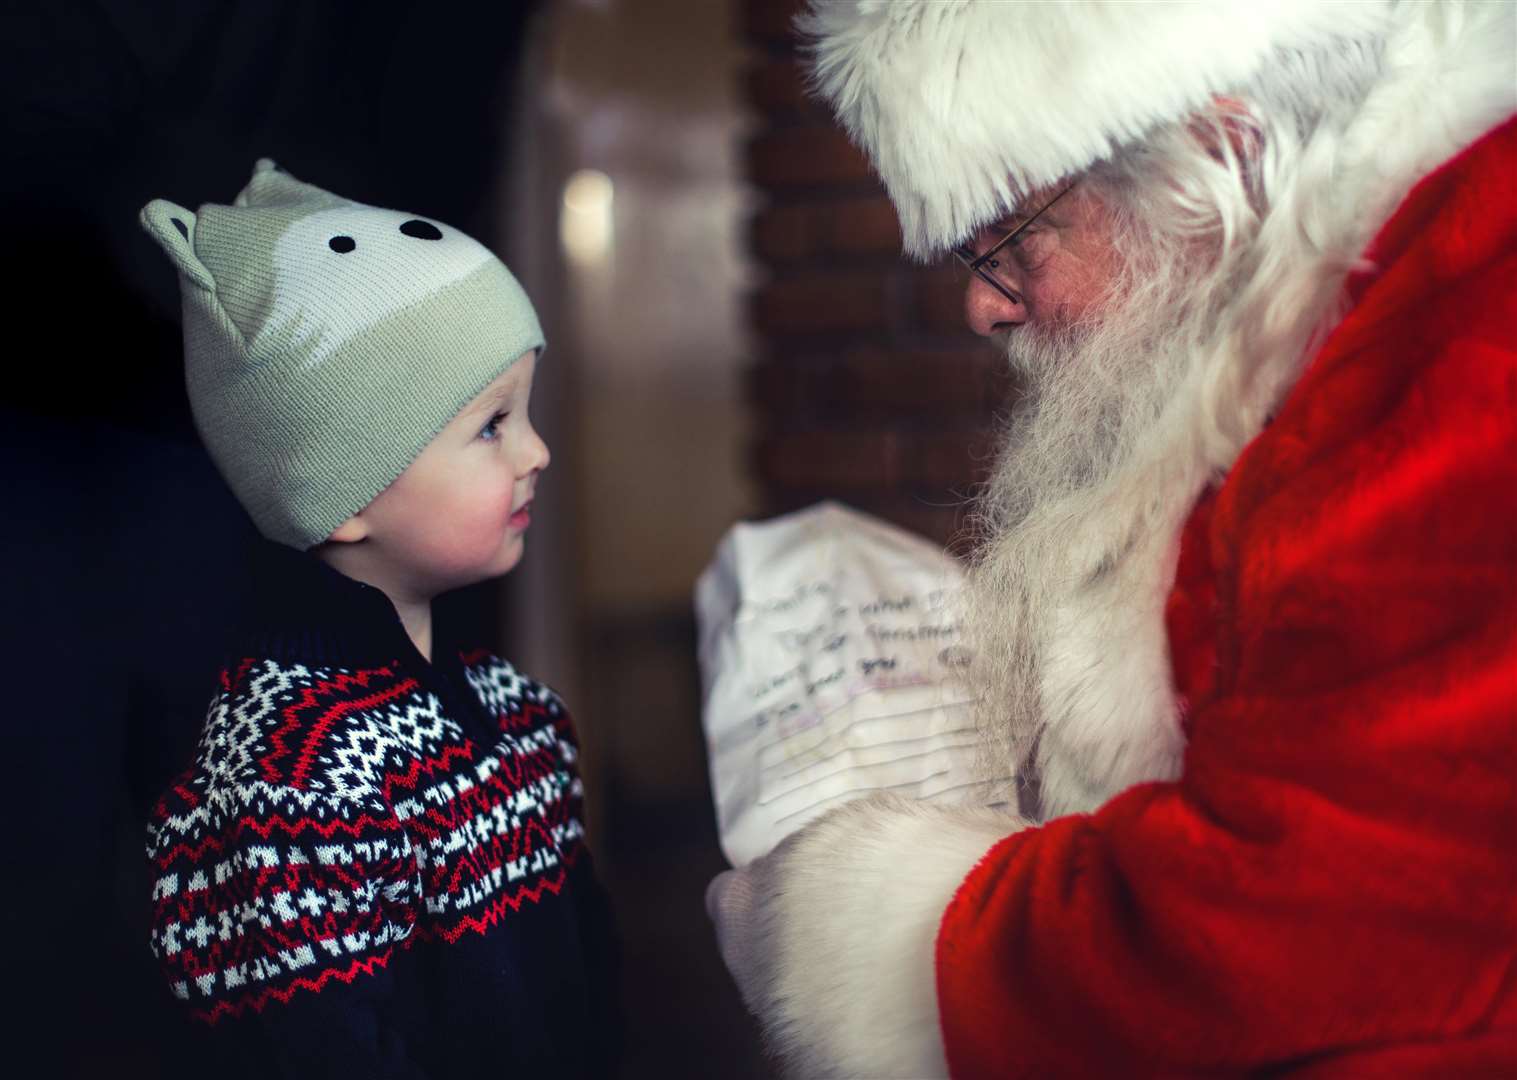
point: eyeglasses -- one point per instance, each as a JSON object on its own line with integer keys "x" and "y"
{"x": 976, "y": 264}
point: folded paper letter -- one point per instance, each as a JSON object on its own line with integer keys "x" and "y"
{"x": 832, "y": 667}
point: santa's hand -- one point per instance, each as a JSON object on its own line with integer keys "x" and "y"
{"x": 830, "y": 936}
{"x": 731, "y": 902}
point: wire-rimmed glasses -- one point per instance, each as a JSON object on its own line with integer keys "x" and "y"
{"x": 976, "y": 264}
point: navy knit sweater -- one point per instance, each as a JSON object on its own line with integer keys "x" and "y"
{"x": 376, "y": 866}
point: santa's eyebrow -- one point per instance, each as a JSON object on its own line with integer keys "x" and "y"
{"x": 1021, "y": 217}
{"x": 997, "y": 229}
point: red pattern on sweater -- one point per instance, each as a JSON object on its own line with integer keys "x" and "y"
{"x": 334, "y": 816}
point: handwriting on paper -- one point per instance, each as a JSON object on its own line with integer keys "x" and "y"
{"x": 833, "y": 660}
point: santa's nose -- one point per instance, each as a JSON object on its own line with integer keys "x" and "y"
{"x": 989, "y": 311}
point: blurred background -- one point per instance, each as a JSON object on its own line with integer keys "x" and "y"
{"x": 732, "y": 334}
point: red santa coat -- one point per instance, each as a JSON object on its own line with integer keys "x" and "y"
{"x": 1330, "y": 888}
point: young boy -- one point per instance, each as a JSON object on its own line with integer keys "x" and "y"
{"x": 376, "y": 865}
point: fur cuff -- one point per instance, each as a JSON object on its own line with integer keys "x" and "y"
{"x": 965, "y": 106}
{"x": 849, "y": 910}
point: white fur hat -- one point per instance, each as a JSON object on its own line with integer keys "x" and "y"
{"x": 966, "y": 105}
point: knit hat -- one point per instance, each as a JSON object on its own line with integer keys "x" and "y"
{"x": 326, "y": 342}
{"x": 964, "y": 106}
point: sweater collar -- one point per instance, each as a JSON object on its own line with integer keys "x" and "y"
{"x": 304, "y": 610}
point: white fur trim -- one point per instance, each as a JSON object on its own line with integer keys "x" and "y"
{"x": 850, "y": 907}
{"x": 1107, "y": 680}
{"x": 965, "y": 105}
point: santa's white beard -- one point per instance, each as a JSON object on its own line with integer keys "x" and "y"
{"x": 1075, "y": 525}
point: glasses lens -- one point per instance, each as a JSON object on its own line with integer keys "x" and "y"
{"x": 997, "y": 268}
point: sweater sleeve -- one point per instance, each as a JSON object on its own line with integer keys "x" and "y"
{"x": 1334, "y": 871}
{"x": 277, "y": 917}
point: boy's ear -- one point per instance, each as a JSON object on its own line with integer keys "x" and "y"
{"x": 350, "y": 531}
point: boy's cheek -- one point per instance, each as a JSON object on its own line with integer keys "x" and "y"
{"x": 459, "y": 535}
{"x": 480, "y": 541}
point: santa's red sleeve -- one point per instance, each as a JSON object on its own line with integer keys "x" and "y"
{"x": 1332, "y": 883}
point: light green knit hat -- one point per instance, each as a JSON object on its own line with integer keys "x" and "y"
{"x": 326, "y": 342}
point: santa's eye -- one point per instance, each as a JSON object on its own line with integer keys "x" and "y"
{"x": 1032, "y": 248}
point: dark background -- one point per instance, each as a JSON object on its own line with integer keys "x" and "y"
{"x": 123, "y": 551}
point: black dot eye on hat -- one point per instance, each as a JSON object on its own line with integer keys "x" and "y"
{"x": 342, "y": 244}
{"x": 421, "y": 230}
{"x": 184, "y": 230}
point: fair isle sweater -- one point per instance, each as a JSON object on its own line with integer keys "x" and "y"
{"x": 376, "y": 865}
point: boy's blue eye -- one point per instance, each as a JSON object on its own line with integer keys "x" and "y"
{"x": 492, "y": 429}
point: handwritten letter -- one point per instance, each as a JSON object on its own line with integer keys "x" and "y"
{"x": 832, "y": 661}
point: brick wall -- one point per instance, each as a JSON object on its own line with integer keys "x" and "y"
{"x": 867, "y": 387}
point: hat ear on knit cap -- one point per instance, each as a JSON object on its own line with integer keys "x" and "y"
{"x": 327, "y": 342}
{"x": 174, "y": 228}
{"x": 964, "y": 106}
{"x": 272, "y": 186}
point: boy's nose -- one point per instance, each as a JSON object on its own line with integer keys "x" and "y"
{"x": 988, "y": 311}
{"x": 540, "y": 455}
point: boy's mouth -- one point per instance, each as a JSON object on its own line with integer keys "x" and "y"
{"x": 521, "y": 517}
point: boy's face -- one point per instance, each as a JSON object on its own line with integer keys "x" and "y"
{"x": 459, "y": 513}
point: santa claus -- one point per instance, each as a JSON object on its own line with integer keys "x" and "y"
{"x": 1246, "y": 594}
